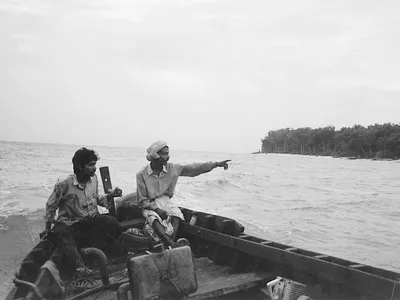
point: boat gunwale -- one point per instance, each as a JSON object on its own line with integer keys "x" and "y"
{"x": 359, "y": 279}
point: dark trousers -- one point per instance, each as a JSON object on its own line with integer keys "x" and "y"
{"x": 100, "y": 231}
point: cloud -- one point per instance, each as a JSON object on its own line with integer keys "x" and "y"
{"x": 172, "y": 80}
{"x": 206, "y": 75}
{"x": 35, "y": 7}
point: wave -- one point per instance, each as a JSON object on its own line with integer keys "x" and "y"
{"x": 298, "y": 199}
{"x": 356, "y": 203}
{"x": 12, "y": 207}
{"x": 3, "y": 228}
{"x": 7, "y": 185}
{"x": 321, "y": 209}
{"x": 215, "y": 183}
{"x": 4, "y": 192}
{"x": 240, "y": 175}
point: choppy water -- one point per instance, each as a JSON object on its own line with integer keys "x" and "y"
{"x": 345, "y": 208}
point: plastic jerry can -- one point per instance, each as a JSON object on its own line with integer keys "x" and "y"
{"x": 170, "y": 273}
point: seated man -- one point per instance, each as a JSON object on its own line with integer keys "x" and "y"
{"x": 155, "y": 187}
{"x": 79, "y": 220}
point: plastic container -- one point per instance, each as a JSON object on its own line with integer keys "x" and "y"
{"x": 285, "y": 289}
{"x": 167, "y": 274}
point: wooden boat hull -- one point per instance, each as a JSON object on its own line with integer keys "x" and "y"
{"x": 326, "y": 277}
{"x": 220, "y": 243}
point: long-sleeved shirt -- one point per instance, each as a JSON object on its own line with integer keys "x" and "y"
{"x": 73, "y": 201}
{"x": 151, "y": 186}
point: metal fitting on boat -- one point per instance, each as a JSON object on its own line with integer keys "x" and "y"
{"x": 105, "y": 276}
{"x": 122, "y": 293}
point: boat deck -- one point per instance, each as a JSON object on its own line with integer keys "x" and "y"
{"x": 213, "y": 281}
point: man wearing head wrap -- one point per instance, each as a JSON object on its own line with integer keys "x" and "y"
{"x": 156, "y": 185}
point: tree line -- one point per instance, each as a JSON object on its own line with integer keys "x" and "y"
{"x": 374, "y": 142}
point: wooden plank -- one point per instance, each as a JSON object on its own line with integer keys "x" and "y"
{"x": 214, "y": 281}
{"x": 266, "y": 243}
{"x": 356, "y": 266}
{"x": 235, "y": 259}
{"x": 245, "y": 236}
{"x": 203, "y": 246}
{"x": 220, "y": 255}
{"x": 242, "y": 262}
{"x": 321, "y": 256}
{"x": 106, "y": 179}
{"x": 366, "y": 283}
{"x": 291, "y": 249}
{"x": 104, "y": 295}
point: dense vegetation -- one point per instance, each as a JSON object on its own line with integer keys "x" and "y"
{"x": 375, "y": 141}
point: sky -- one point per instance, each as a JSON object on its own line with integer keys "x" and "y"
{"x": 204, "y": 75}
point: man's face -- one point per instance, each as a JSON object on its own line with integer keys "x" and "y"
{"x": 164, "y": 155}
{"x": 90, "y": 168}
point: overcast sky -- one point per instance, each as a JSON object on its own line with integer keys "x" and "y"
{"x": 203, "y": 75}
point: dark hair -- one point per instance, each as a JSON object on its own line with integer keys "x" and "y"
{"x": 82, "y": 157}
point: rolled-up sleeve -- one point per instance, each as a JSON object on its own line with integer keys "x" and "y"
{"x": 141, "y": 193}
{"x": 54, "y": 200}
{"x": 192, "y": 170}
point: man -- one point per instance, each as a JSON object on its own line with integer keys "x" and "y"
{"x": 79, "y": 220}
{"x": 77, "y": 197}
{"x": 155, "y": 187}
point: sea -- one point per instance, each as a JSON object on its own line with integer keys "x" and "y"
{"x": 344, "y": 208}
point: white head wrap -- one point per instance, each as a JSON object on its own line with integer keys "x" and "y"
{"x": 154, "y": 148}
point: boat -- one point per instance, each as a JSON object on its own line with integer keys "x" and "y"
{"x": 227, "y": 263}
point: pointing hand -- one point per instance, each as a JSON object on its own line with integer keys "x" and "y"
{"x": 224, "y": 164}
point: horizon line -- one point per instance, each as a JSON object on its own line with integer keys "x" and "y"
{"x": 108, "y": 146}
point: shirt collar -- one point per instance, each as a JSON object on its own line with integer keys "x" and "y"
{"x": 76, "y": 182}
{"x": 150, "y": 170}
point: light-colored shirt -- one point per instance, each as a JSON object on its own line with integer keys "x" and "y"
{"x": 151, "y": 186}
{"x": 73, "y": 201}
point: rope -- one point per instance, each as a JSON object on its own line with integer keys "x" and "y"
{"x": 98, "y": 289}
{"x": 83, "y": 283}
{"x": 394, "y": 289}
{"x": 88, "y": 283}
{"x": 79, "y": 259}
{"x": 166, "y": 277}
